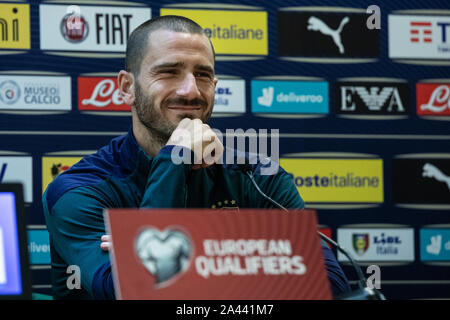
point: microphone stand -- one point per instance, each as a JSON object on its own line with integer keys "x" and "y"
{"x": 364, "y": 292}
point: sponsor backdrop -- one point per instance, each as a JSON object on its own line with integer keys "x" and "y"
{"x": 363, "y": 112}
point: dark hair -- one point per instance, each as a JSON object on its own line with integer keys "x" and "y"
{"x": 138, "y": 41}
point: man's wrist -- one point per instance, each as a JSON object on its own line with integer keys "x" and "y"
{"x": 179, "y": 155}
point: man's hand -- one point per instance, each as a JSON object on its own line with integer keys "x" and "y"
{"x": 106, "y": 242}
{"x": 201, "y": 139}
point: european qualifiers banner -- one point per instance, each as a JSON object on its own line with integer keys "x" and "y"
{"x": 320, "y": 34}
{"x": 202, "y": 254}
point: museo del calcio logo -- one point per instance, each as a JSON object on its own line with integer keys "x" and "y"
{"x": 35, "y": 92}
{"x": 9, "y": 92}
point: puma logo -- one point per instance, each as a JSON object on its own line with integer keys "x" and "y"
{"x": 431, "y": 171}
{"x": 316, "y": 24}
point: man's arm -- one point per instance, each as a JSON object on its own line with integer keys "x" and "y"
{"x": 75, "y": 225}
{"x": 75, "y": 221}
{"x": 166, "y": 188}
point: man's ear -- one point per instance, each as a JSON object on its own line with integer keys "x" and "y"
{"x": 215, "y": 81}
{"x": 126, "y": 83}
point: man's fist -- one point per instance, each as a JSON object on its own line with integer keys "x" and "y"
{"x": 198, "y": 137}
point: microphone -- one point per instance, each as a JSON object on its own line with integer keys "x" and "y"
{"x": 363, "y": 293}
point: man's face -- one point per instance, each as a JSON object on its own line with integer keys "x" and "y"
{"x": 176, "y": 81}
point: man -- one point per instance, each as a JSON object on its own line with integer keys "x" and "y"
{"x": 170, "y": 83}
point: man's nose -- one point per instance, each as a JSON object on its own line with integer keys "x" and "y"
{"x": 188, "y": 87}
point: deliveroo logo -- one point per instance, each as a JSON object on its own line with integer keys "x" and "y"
{"x": 267, "y": 97}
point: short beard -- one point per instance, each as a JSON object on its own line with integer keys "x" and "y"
{"x": 159, "y": 127}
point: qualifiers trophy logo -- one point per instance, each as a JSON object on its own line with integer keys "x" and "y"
{"x": 9, "y": 92}
{"x": 360, "y": 243}
{"x": 163, "y": 253}
{"x": 74, "y": 27}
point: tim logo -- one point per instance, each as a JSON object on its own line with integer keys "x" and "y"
{"x": 360, "y": 243}
{"x": 316, "y": 24}
{"x": 164, "y": 254}
{"x": 421, "y": 31}
{"x": 433, "y": 99}
{"x": 419, "y": 37}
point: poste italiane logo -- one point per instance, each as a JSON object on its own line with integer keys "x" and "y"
{"x": 337, "y": 180}
{"x": 231, "y": 32}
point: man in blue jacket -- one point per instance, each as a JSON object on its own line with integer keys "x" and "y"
{"x": 170, "y": 83}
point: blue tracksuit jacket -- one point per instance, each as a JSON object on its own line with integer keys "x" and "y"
{"x": 122, "y": 175}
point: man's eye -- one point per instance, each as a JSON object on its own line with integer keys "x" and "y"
{"x": 168, "y": 71}
{"x": 203, "y": 75}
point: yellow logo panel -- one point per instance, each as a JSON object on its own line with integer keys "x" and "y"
{"x": 231, "y": 32}
{"x": 337, "y": 180}
{"x": 14, "y": 26}
{"x": 53, "y": 166}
